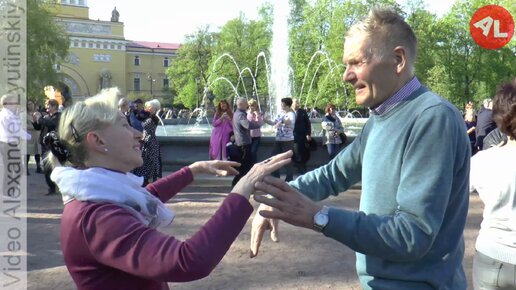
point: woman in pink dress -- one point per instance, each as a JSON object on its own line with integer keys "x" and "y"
{"x": 222, "y": 127}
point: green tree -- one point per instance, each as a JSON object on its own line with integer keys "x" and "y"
{"x": 47, "y": 45}
{"x": 188, "y": 72}
{"x": 472, "y": 72}
{"x": 240, "y": 42}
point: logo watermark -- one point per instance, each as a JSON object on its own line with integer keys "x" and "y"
{"x": 13, "y": 180}
{"x": 492, "y": 26}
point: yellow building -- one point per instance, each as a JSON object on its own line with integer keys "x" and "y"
{"x": 101, "y": 57}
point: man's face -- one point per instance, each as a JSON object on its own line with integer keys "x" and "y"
{"x": 295, "y": 104}
{"x": 242, "y": 105}
{"x": 139, "y": 106}
{"x": 373, "y": 78}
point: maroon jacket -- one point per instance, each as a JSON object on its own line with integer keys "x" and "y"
{"x": 106, "y": 247}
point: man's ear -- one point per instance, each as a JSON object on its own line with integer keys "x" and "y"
{"x": 400, "y": 54}
{"x": 95, "y": 142}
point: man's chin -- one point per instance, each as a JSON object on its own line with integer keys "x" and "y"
{"x": 362, "y": 101}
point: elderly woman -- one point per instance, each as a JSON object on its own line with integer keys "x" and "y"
{"x": 332, "y": 130}
{"x": 108, "y": 227}
{"x": 493, "y": 176}
{"x": 151, "y": 154}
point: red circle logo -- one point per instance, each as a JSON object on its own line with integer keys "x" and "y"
{"x": 492, "y": 26}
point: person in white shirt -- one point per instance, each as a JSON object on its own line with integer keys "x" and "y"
{"x": 11, "y": 135}
{"x": 284, "y": 125}
{"x": 493, "y": 176}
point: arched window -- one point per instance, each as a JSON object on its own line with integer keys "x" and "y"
{"x": 136, "y": 60}
{"x": 165, "y": 62}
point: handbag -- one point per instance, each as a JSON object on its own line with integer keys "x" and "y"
{"x": 312, "y": 145}
{"x": 343, "y": 138}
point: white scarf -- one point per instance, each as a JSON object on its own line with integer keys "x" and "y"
{"x": 106, "y": 186}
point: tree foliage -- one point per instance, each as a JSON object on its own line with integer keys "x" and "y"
{"x": 448, "y": 61}
{"x": 47, "y": 44}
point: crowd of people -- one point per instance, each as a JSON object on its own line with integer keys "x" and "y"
{"x": 414, "y": 159}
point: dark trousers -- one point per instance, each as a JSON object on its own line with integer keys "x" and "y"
{"x": 301, "y": 155}
{"x": 280, "y": 147}
{"x": 255, "y": 144}
{"x": 246, "y": 163}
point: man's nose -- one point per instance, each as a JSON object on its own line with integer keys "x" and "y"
{"x": 348, "y": 75}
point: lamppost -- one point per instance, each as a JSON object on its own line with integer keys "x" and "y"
{"x": 151, "y": 80}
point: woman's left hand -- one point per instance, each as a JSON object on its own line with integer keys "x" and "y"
{"x": 217, "y": 167}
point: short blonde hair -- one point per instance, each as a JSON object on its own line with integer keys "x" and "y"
{"x": 89, "y": 115}
{"x": 385, "y": 30}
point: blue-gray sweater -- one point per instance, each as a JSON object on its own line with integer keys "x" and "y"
{"x": 413, "y": 163}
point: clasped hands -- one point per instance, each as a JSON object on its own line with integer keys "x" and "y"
{"x": 278, "y": 200}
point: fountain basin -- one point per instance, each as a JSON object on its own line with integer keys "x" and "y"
{"x": 181, "y": 127}
{"x": 180, "y": 151}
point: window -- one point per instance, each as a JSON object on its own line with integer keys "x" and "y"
{"x": 90, "y": 45}
{"x": 81, "y": 2}
{"x": 98, "y": 45}
{"x": 165, "y": 62}
{"x": 165, "y": 83}
{"x": 136, "y": 60}
{"x": 105, "y": 46}
{"x": 137, "y": 84}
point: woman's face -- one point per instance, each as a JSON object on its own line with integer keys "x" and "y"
{"x": 123, "y": 145}
{"x": 150, "y": 109}
{"x": 253, "y": 107}
{"x": 223, "y": 106}
{"x": 331, "y": 111}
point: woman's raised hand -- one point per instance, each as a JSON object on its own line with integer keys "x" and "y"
{"x": 245, "y": 185}
{"x": 216, "y": 167}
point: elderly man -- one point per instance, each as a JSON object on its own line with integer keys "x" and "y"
{"x": 412, "y": 158}
{"x": 242, "y": 132}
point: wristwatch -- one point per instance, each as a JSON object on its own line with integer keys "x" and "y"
{"x": 321, "y": 219}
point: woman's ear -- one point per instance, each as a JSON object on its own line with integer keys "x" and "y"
{"x": 95, "y": 142}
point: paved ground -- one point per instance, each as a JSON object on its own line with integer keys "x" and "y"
{"x": 302, "y": 259}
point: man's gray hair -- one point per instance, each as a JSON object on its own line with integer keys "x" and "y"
{"x": 240, "y": 100}
{"x": 385, "y": 30}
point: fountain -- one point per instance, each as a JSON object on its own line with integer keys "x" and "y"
{"x": 189, "y": 142}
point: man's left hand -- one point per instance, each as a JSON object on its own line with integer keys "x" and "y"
{"x": 289, "y": 204}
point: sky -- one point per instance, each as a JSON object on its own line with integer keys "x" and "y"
{"x": 170, "y": 20}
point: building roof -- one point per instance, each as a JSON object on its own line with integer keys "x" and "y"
{"x": 153, "y": 45}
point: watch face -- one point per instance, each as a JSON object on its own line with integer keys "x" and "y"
{"x": 321, "y": 219}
